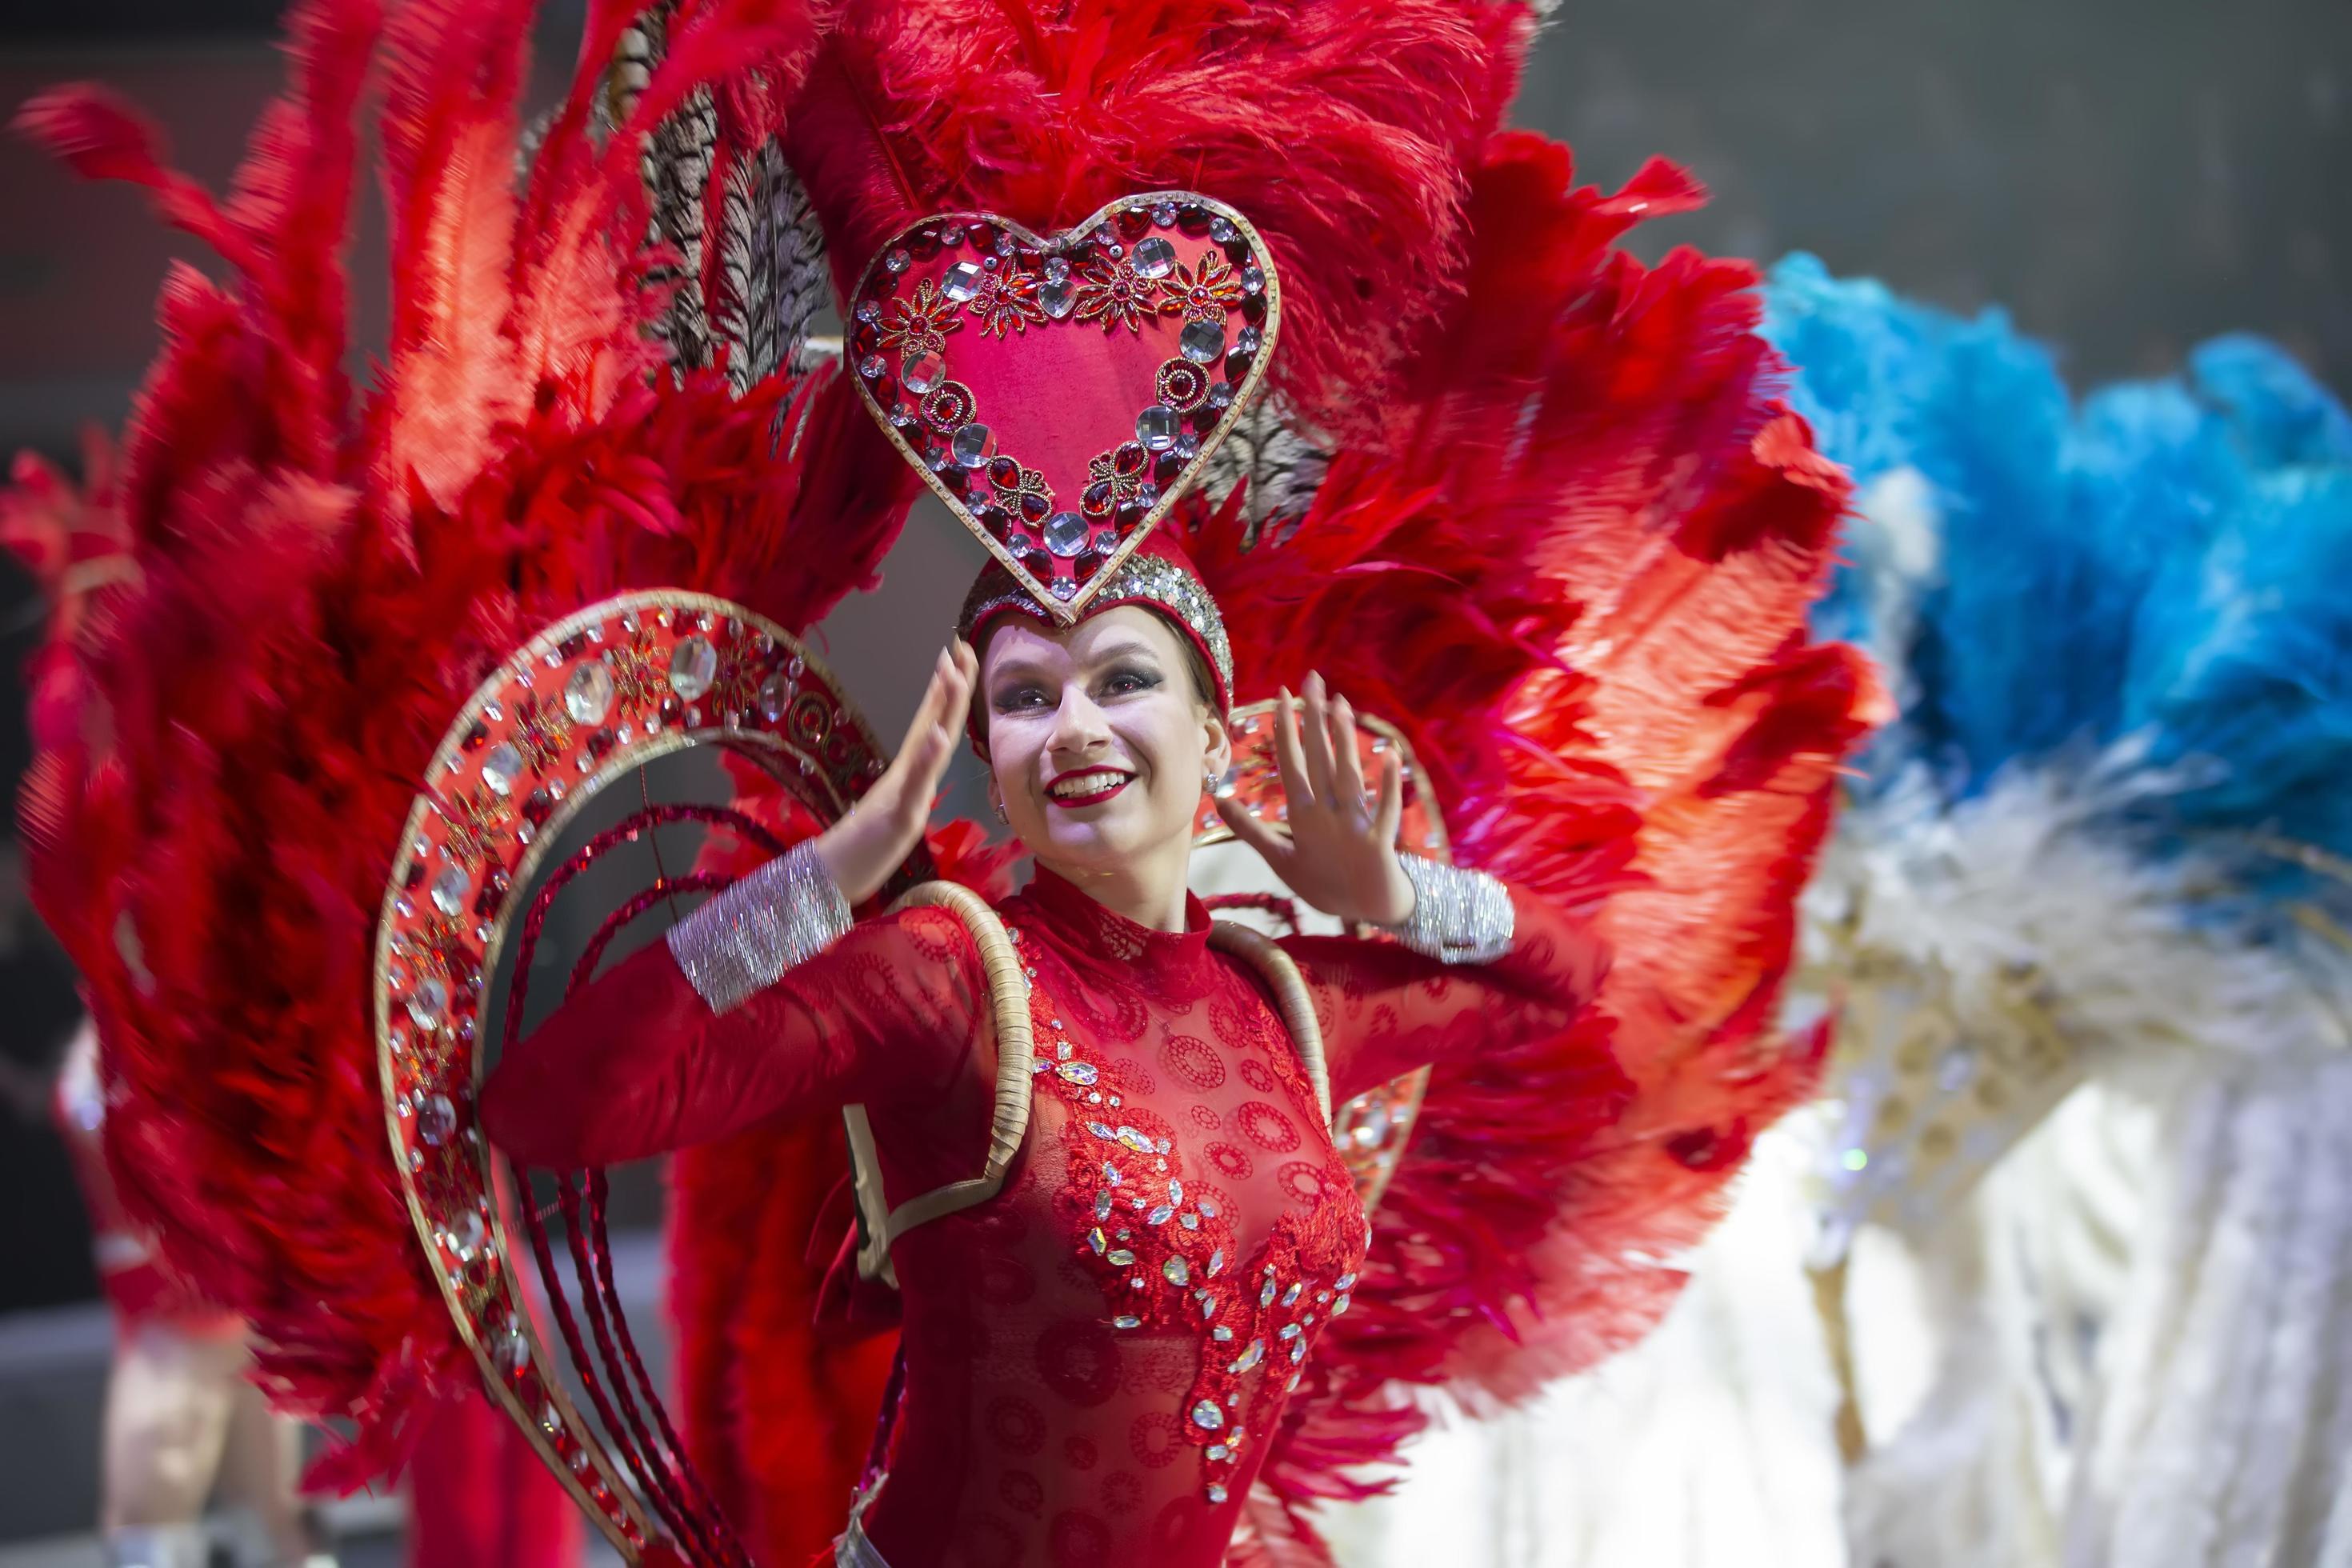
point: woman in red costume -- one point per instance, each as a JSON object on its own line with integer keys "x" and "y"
{"x": 1111, "y": 1409}
{"x": 1535, "y": 504}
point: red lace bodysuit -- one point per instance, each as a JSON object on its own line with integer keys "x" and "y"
{"x": 1092, "y": 1356}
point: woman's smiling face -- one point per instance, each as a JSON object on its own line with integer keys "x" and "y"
{"x": 1098, "y": 738}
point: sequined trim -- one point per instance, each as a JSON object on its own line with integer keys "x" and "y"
{"x": 1140, "y": 579}
{"x": 1459, "y": 915}
{"x": 1166, "y": 1258}
{"x": 743, "y": 940}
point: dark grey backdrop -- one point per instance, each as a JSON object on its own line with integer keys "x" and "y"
{"x": 2128, "y": 177}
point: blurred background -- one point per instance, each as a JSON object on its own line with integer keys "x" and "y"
{"x": 2126, "y": 178}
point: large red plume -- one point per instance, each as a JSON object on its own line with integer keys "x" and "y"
{"x": 310, "y": 590}
{"x": 1576, "y": 578}
{"x": 1340, "y": 129}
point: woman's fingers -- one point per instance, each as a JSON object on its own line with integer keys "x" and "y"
{"x": 1314, "y": 742}
{"x": 1348, "y": 762}
{"x": 1288, "y": 759}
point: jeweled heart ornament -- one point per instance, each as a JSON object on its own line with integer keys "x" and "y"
{"x": 1060, "y": 393}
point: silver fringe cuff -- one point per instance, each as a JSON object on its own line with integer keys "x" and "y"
{"x": 1459, "y": 915}
{"x": 743, "y": 940}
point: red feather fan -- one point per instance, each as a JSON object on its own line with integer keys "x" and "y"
{"x": 1576, "y": 578}
{"x": 313, "y": 590}
{"x": 1342, "y": 129}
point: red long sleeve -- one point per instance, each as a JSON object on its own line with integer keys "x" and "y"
{"x": 1386, "y": 1009}
{"x": 636, "y": 1063}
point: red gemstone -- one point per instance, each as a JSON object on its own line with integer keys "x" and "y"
{"x": 1087, "y": 565}
{"x": 996, "y": 520}
{"x": 1039, "y": 565}
{"x": 539, "y": 805}
{"x": 1033, "y": 507}
{"x": 1237, "y": 366}
{"x": 983, "y": 236}
{"x": 1004, "y": 473}
{"x": 1254, "y": 309}
{"x": 572, "y": 646}
{"x": 866, "y": 340}
{"x": 1129, "y": 460}
{"x": 1096, "y": 501}
{"x": 600, "y": 744}
{"x": 416, "y": 874}
{"x": 923, "y": 243}
{"x": 1193, "y": 218}
{"x": 1165, "y": 467}
{"x": 1131, "y": 223}
{"x": 476, "y": 735}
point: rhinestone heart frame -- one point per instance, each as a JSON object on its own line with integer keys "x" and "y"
{"x": 1373, "y": 1128}
{"x": 1151, "y": 258}
{"x": 592, "y": 697}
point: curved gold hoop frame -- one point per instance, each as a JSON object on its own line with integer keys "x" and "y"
{"x": 597, "y": 694}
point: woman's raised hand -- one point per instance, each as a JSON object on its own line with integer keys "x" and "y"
{"x": 862, "y": 849}
{"x": 1336, "y": 848}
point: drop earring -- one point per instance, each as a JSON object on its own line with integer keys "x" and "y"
{"x": 1223, "y": 786}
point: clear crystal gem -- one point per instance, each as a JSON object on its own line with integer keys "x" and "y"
{"x": 1065, "y": 533}
{"x": 1217, "y": 1254}
{"x": 872, "y": 366}
{"x": 1265, "y": 1297}
{"x": 693, "y": 666}
{"x": 1341, "y": 1304}
{"x": 896, "y": 262}
{"x": 1208, "y": 1416}
{"x": 1156, "y": 427}
{"x": 1110, "y": 1173}
{"x": 1175, "y": 1192}
{"x": 1297, "y": 1352}
{"x": 1095, "y": 1240}
{"x": 1220, "y": 1451}
{"x": 1202, "y": 341}
{"x": 974, "y": 445}
{"x": 1252, "y": 279}
{"x": 1216, "y": 1493}
{"x": 436, "y": 1119}
{"x": 1154, "y": 257}
{"x": 1078, "y": 1072}
{"x": 924, "y": 371}
{"x": 1058, "y": 296}
{"x": 1288, "y": 1331}
{"x": 962, "y": 281}
{"x": 466, "y": 1234}
{"x": 1160, "y": 1215}
{"x": 1102, "y": 1205}
{"x": 1127, "y": 1320}
{"x": 1118, "y": 1256}
{"x": 1057, "y": 268}
{"x": 512, "y": 1353}
{"x": 1223, "y": 231}
{"x": 1345, "y": 1282}
{"x": 1065, "y": 589}
{"x": 1163, "y": 214}
{"x": 449, "y": 890}
{"x": 1290, "y": 1297}
{"x": 1221, "y": 1333}
{"x": 775, "y": 695}
{"x": 588, "y": 694}
{"x": 1249, "y": 339}
{"x": 1133, "y": 1140}
{"x": 428, "y": 1002}
{"x": 502, "y": 767}
{"x": 1250, "y": 1357}
{"x": 1189, "y": 1221}
{"x": 1178, "y": 1271}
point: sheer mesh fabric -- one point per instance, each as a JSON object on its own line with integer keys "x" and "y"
{"x": 1062, "y": 1339}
